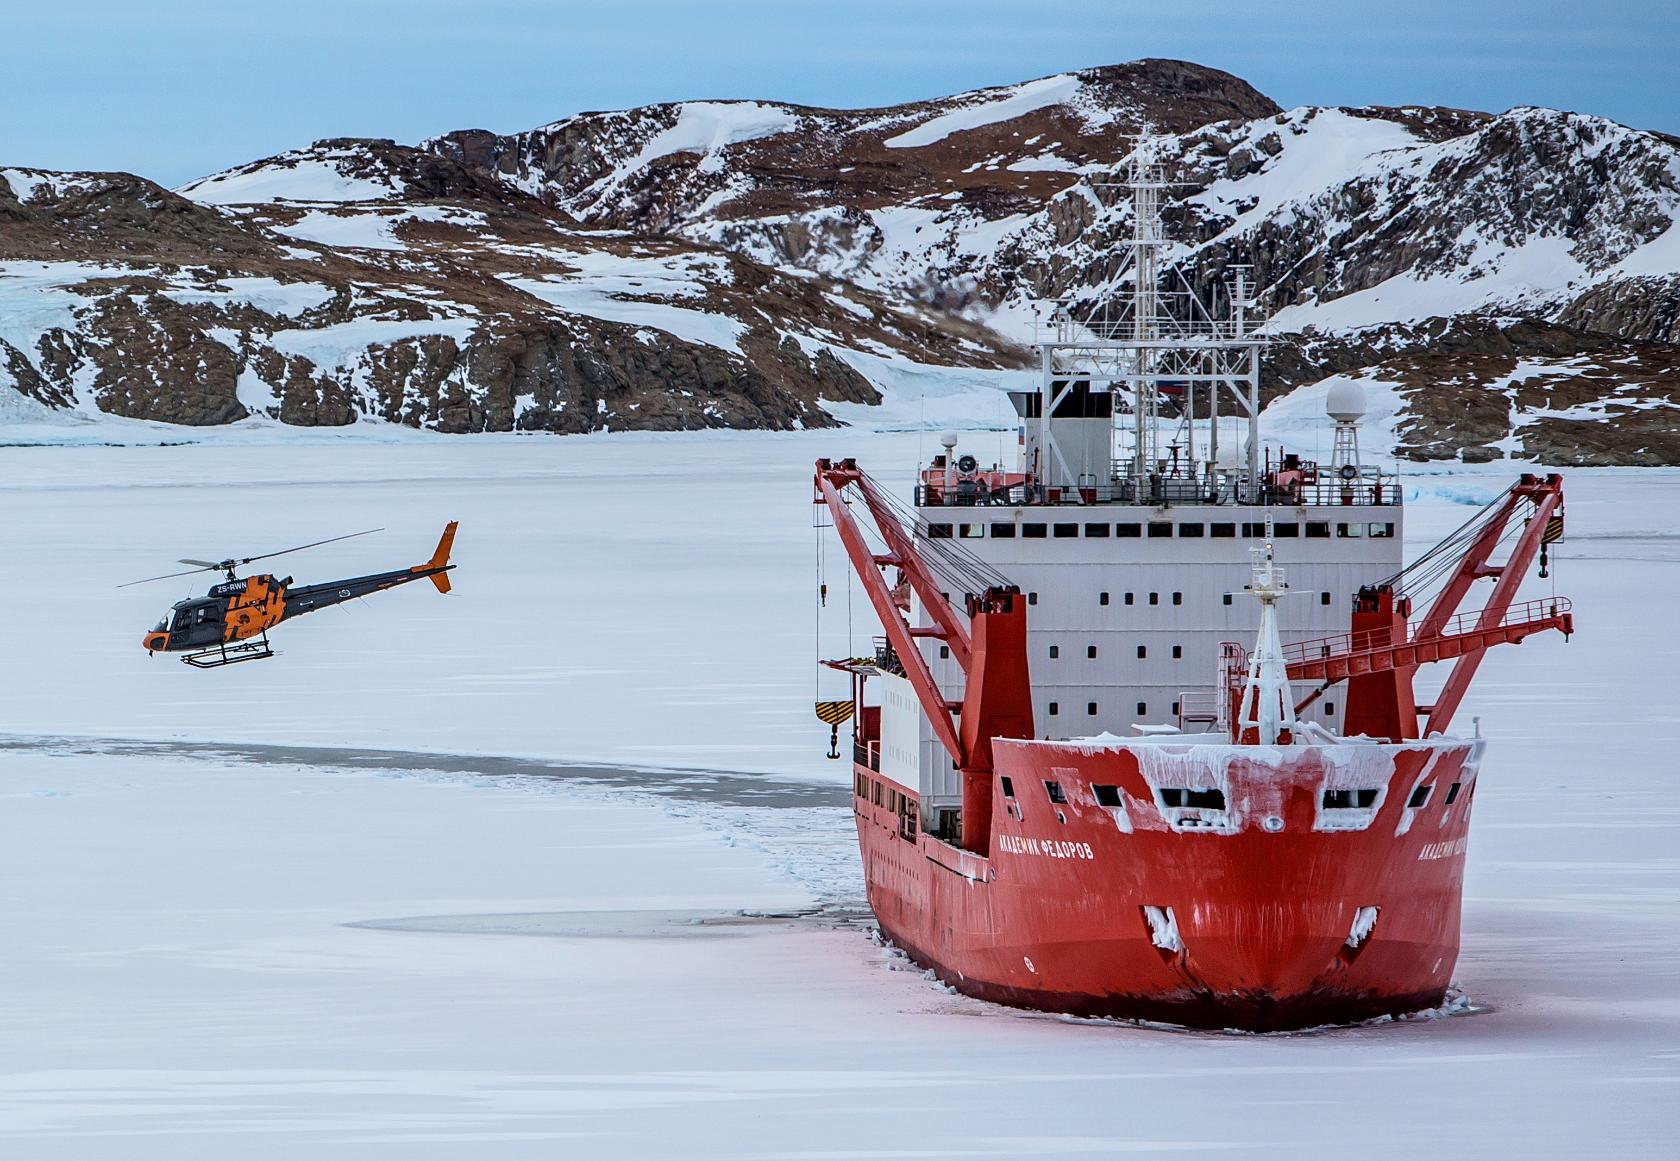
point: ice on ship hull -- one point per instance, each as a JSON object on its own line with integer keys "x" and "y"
{"x": 1307, "y": 885}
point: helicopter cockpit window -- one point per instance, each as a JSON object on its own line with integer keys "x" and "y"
{"x": 199, "y": 613}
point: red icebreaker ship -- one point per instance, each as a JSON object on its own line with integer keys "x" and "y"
{"x": 1051, "y": 814}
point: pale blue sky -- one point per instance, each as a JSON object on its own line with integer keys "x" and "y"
{"x": 174, "y": 89}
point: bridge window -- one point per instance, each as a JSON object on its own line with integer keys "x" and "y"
{"x": 939, "y": 532}
{"x": 1054, "y": 790}
{"x": 1213, "y": 799}
{"x": 1419, "y": 798}
{"x": 1128, "y": 531}
{"x": 1160, "y": 528}
{"x": 1033, "y": 531}
{"x": 1350, "y": 530}
{"x": 1355, "y": 799}
{"x": 971, "y": 531}
{"x": 1379, "y": 530}
{"x": 1223, "y": 531}
{"x": 1097, "y": 530}
{"x": 1452, "y": 793}
{"x": 1008, "y": 786}
{"x": 1285, "y": 531}
{"x": 1055, "y": 651}
{"x": 1001, "y": 531}
{"x": 1065, "y": 530}
{"x": 1318, "y": 530}
{"x": 875, "y": 792}
{"x": 1189, "y": 530}
{"x": 1091, "y": 652}
{"x": 1106, "y": 795}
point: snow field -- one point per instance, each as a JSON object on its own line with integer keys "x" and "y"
{"x": 179, "y": 981}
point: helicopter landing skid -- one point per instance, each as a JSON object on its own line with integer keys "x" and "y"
{"x": 225, "y": 654}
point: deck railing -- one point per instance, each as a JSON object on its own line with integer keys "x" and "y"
{"x": 1534, "y": 612}
{"x": 1159, "y": 492}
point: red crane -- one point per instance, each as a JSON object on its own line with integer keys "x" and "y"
{"x": 1380, "y": 655}
{"x": 991, "y": 648}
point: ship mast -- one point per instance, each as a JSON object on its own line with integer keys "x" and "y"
{"x": 1268, "y": 704}
{"x": 1149, "y": 353}
{"x": 1146, "y": 182}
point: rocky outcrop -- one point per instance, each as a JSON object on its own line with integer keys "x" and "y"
{"x": 740, "y": 263}
{"x": 417, "y": 291}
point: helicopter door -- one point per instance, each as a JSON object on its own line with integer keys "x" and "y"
{"x": 200, "y": 623}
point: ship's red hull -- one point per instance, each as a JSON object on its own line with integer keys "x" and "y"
{"x": 1246, "y": 916}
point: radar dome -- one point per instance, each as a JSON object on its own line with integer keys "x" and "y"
{"x": 948, "y": 439}
{"x": 1346, "y": 401}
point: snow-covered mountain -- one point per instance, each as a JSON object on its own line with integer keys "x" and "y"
{"x": 1512, "y": 280}
{"x": 359, "y": 279}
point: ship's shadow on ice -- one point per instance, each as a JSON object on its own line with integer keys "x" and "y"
{"x": 649, "y": 924}
{"x": 713, "y": 787}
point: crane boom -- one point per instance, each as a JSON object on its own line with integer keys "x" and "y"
{"x": 991, "y": 649}
{"x": 1380, "y": 656}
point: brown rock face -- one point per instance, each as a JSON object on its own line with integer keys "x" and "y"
{"x": 153, "y": 364}
{"x": 733, "y": 263}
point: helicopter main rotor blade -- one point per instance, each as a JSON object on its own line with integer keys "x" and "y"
{"x": 207, "y": 566}
{"x": 168, "y": 576}
{"x": 313, "y": 544}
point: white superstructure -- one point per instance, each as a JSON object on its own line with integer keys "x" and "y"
{"x": 1141, "y": 487}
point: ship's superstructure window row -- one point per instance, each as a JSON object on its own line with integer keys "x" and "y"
{"x": 1161, "y": 530}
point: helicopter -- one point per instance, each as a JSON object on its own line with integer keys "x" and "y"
{"x": 230, "y": 623}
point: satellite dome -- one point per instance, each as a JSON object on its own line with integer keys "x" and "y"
{"x": 948, "y": 439}
{"x": 1345, "y": 401}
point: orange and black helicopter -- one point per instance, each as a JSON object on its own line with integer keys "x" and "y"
{"x": 231, "y": 622}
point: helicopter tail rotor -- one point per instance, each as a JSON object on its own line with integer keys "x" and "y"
{"x": 440, "y": 559}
